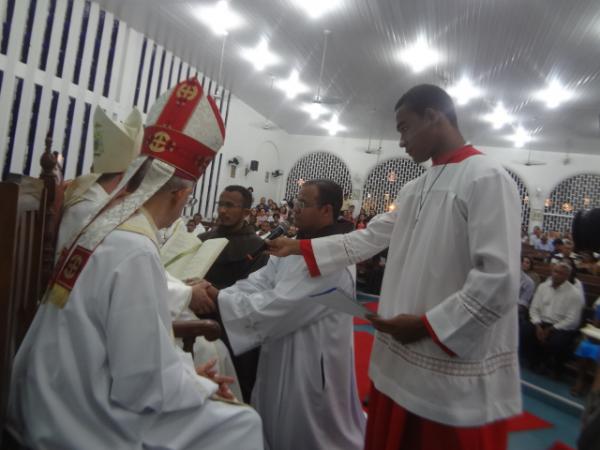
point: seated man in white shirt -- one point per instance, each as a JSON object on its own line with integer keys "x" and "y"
{"x": 544, "y": 244}
{"x": 554, "y": 314}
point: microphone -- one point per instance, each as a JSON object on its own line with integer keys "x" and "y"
{"x": 279, "y": 230}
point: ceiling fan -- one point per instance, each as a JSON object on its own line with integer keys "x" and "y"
{"x": 531, "y": 162}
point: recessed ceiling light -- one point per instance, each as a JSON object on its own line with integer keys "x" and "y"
{"x": 316, "y": 8}
{"x": 334, "y": 126}
{"x": 554, "y": 94}
{"x": 499, "y": 117}
{"x": 292, "y": 86}
{"x": 419, "y": 55}
{"x": 315, "y": 110}
{"x": 220, "y": 18}
{"x": 464, "y": 91}
{"x": 520, "y": 137}
{"x": 260, "y": 56}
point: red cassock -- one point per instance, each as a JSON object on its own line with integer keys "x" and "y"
{"x": 391, "y": 427}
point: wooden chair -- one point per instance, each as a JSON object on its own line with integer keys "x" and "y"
{"x": 27, "y": 239}
{"x": 29, "y": 221}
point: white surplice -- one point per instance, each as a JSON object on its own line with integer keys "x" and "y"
{"x": 103, "y": 372}
{"x": 75, "y": 216}
{"x": 305, "y": 387}
{"x": 459, "y": 266}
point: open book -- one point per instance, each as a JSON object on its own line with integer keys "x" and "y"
{"x": 185, "y": 256}
{"x": 340, "y": 301}
{"x": 591, "y": 331}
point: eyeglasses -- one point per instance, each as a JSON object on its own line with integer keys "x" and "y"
{"x": 227, "y": 205}
{"x": 301, "y": 204}
{"x": 191, "y": 202}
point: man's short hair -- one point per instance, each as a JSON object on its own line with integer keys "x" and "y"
{"x": 563, "y": 263}
{"x": 330, "y": 193}
{"x": 245, "y": 193}
{"x": 423, "y": 96}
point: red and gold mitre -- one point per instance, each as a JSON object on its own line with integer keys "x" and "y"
{"x": 184, "y": 129}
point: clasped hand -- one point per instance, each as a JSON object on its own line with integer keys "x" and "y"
{"x": 405, "y": 328}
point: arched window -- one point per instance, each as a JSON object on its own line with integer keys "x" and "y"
{"x": 385, "y": 181}
{"x": 524, "y": 194}
{"x": 318, "y": 165}
{"x": 569, "y": 196}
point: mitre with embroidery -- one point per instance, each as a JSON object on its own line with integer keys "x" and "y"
{"x": 184, "y": 129}
{"x": 116, "y": 144}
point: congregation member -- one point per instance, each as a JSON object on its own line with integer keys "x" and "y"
{"x": 305, "y": 389}
{"x": 526, "y": 291}
{"x": 528, "y": 268}
{"x": 544, "y": 244}
{"x": 233, "y": 264}
{"x": 98, "y": 367}
{"x": 116, "y": 145}
{"x": 554, "y": 314}
{"x": 444, "y": 363}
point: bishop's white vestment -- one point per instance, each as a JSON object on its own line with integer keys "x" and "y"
{"x": 103, "y": 371}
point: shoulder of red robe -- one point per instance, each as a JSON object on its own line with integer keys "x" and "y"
{"x": 184, "y": 128}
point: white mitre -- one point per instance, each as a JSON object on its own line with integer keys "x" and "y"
{"x": 116, "y": 144}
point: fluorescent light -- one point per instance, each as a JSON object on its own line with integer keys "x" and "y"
{"x": 292, "y": 86}
{"x": 260, "y": 55}
{"x": 554, "y": 94}
{"x": 219, "y": 17}
{"x": 334, "y": 126}
{"x": 520, "y": 137}
{"x": 315, "y": 110}
{"x": 464, "y": 91}
{"x": 499, "y": 117}
{"x": 316, "y": 8}
{"x": 420, "y": 55}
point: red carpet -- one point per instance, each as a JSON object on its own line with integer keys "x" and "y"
{"x": 527, "y": 422}
{"x": 370, "y": 305}
{"x": 560, "y": 446}
{"x": 363, "y": 342}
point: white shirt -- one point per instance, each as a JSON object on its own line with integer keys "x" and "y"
{"x": 103, "y": 371}
{"x": 560, "y": 307}
{"x": 305, "y": 389}
{"x": 459, "y": 266}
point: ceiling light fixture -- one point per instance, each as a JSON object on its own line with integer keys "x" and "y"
{"x": 292, "y": 86}
{"x": 499, "y": 117}
{"x": 520, "y": 137}
{"x": 554, "y": 94}
{"x": 334, "y": 126}
{"x": 464, "y": 91}
{"x": 220, "y": 18}
{"x": 317, "y": 8}
{"x": 260, "y": 56}
{"x": 315, "y": 110}
{"x": 419, "y": 56}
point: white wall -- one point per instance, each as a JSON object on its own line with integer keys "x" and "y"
{"x": 246, "y": 138}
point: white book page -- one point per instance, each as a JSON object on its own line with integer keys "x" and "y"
{"x": 340, "y": 301}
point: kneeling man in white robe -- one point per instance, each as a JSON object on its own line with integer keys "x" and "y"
{"x": 305, "y": 389}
